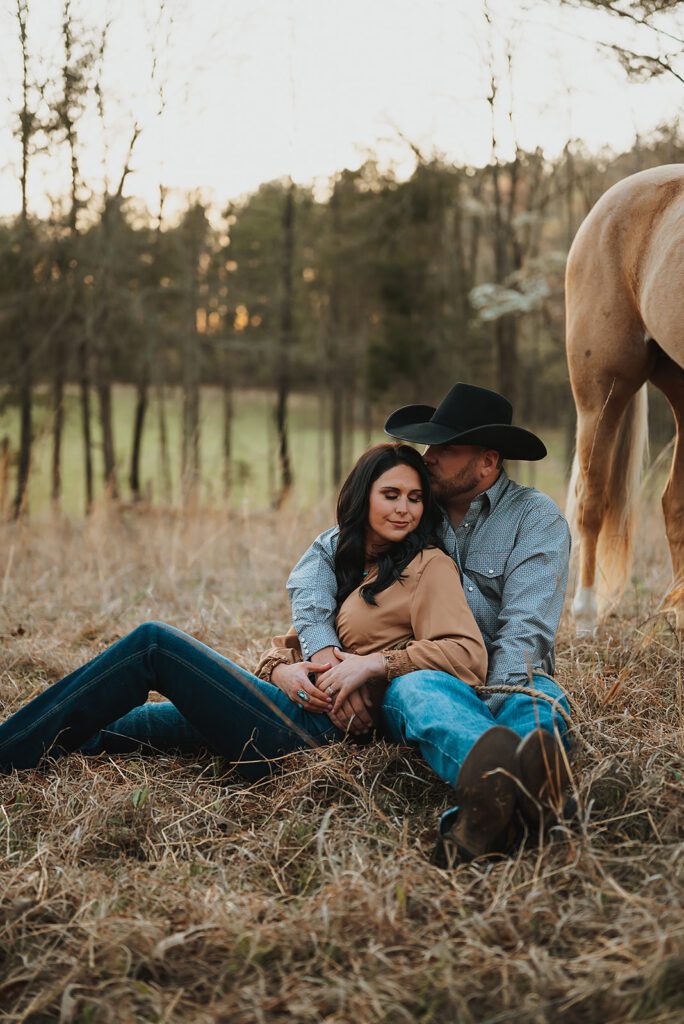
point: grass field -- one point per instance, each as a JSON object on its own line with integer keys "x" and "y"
{"x": 254, "y": 471}
{"x": 166, "y": 890}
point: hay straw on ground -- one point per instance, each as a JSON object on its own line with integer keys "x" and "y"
{"x": 143, "y": 889}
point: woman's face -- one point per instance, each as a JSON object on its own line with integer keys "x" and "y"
{"x": 395, "y": 507}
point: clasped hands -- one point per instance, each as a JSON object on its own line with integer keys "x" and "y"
{"x": 342, "y": 689}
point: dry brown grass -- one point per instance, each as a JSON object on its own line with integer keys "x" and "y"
{"x": 163, "y": 890}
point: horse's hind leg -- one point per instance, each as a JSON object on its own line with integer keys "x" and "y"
{"x": 669, "y": 378}
{"x": 598, "y": 422}
{"x": 607, "y": 369}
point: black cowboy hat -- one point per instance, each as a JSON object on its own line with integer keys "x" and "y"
{"x": 467, "y": 415}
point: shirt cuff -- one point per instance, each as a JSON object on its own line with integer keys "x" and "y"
{"x": 398, "y": 663}
{"x": 315, "y": 638}
{"x": 264, "y": 669}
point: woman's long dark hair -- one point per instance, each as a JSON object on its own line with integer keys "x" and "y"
{"x": 352, "y": 516}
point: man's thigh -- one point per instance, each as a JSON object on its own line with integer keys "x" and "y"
{"x": 425, "y": 701}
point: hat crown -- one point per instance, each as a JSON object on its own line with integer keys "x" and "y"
{"x": 467, "y": 406}
{"x": 468, "y": 415}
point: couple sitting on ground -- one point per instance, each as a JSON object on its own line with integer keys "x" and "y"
{"x": 443, "y": 575}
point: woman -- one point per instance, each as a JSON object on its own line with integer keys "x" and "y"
{"x": 400, "y": 607}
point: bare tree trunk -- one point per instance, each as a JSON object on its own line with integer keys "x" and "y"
{"x": 83, "y": 357}
{"x": 367, "y": 418}
{"x": 101, "y": 350}
{"x": 59, "y": 355}
{"x": 143, "y": 387}
{"x": 25, "y": 378}
{"x": 335, "y": 329}
{"x": 336, "y": 423}
{"x": 25, "y": 429}
{"x": 104, "y": 394}
{"x": 84, "y": 387}
{"x": 349, "y": 423}
{"x": 459, "y": 281}
{"x": 191, "y": 356}
{"x": 505, "y": 328}
{"x": 71, "y": 106}
{"x": 321, "y": 436}
{"x": 191, "y": 460}
{"x": 475, "y": 235}
{"x": 271, "y": 442}
{"x": 164, "y": 458}
{"x": 286, "y": 321}
{"x": 228, "y": 416}
{"x": 4, "y": 475}
{"x": 141, "y": 401}
{"x": 141, "y": 406}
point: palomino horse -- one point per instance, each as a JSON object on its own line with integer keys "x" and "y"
{"x": 625, "y": 326}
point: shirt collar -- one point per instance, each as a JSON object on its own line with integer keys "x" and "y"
{"x": 489, "y": 498}
{"x": 494, "y": 492}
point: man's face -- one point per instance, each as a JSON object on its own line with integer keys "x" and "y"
{"x": 456, "y": 470}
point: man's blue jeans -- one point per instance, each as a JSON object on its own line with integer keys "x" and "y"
{"x": 444, "y": 717}
{"x": 216, "y": 705}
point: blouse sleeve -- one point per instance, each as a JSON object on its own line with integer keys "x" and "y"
{"x": 446, "y": 636}
{"x": 284, "y": 650}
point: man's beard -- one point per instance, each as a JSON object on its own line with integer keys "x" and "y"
{"x": 465, "y": 482}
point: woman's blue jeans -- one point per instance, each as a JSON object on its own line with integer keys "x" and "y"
{"x": 216, "y": 705}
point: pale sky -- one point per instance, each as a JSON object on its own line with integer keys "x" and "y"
{"x": 259, "y": 89}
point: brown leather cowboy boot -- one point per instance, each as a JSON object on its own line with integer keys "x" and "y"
{"x": 541, "y": 767}
{"x": 482, "y": 822}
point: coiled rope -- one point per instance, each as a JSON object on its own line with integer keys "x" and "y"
{"x": 483, "y": 691}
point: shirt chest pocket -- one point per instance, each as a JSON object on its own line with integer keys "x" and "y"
{"x": 486, "y": 569}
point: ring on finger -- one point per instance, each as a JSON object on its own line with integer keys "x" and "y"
{"x": 303, "y": 695}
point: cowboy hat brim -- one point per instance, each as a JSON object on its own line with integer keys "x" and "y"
{"x": 414, "y": 423}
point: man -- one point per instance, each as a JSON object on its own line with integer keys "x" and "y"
{"x": 511, "y": 544}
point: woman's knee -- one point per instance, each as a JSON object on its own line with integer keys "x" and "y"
{"x": 152, "y": 631}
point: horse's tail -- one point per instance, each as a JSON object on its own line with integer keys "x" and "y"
{"x": 623, "y": 484}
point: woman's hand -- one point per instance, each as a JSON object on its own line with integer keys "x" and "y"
{"x": 350, "y": 673}
{"x": 294, "y": 681}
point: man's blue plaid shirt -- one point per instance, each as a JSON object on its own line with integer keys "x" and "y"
{"x": 512, "y": 548}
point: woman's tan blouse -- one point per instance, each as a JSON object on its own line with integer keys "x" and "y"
{"x": 420, "y": 622}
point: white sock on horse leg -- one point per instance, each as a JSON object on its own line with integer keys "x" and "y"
{"x": 585, "y": 611}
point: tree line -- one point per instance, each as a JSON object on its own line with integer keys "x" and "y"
{"x": 381, "y": 290}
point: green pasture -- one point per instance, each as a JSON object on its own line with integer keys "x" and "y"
{"x": 254, "y": 469}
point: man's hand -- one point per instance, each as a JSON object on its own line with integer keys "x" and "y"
{"x": 326, "y": 656}
{"x": 353, "y": 716}
{"x": 356, "y": 702}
